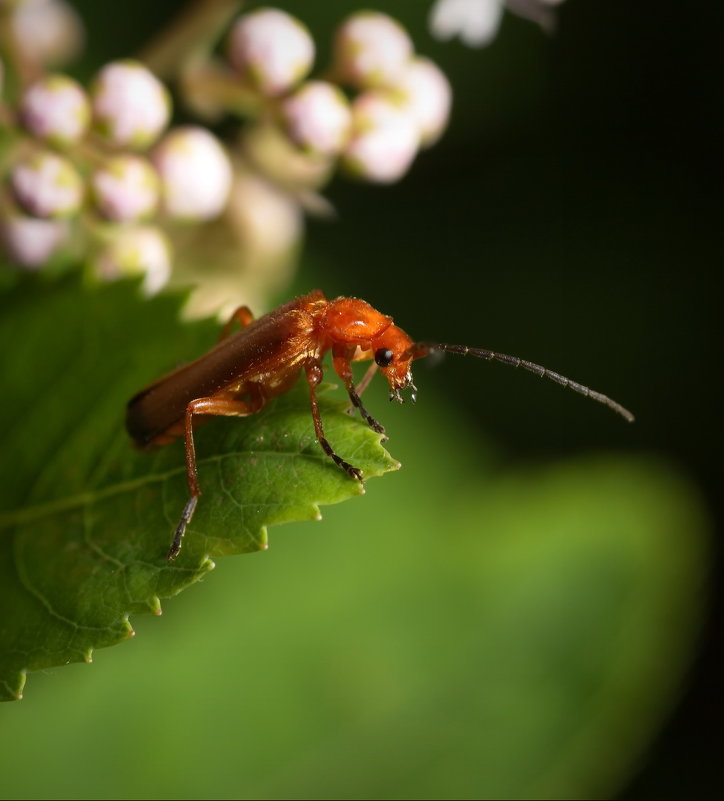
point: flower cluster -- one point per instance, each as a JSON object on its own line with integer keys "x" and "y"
{"x": 378, "y": 104}
{"x": 101, "y": 161}
{"x": 95, "y": 171}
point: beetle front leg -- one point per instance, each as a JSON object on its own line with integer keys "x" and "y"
{"x": 343, "y": 368}
{"x": 366, "y": 416}
{"x": 314, "y": 376}
{"x": 226, "y": 407}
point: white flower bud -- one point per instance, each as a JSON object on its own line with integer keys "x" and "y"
{"x": 371, "y": 50}
{"x": 136, "y": 251}
{"x": 47, "y": 31}
{"x": 195, "y": 173}
{"x": 267, "y": 219}
{"x": 317, "y": 117}
{"x": 384, "y": 140}
{"x": 125, "y": 188}
{"x": 55, "y": 109}
{"x": 131, "y": 107}
{"x": 273, "y": 50}
{"x": 47, "y": 185}
{"x": 425, "y": 94}
{"x": 475, "y": 21}
{"x": 31, "y": 242}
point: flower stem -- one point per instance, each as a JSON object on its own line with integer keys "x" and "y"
{"x": 194, "y": 32}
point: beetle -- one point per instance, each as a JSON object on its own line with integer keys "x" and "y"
{"x": 245, "y": 369}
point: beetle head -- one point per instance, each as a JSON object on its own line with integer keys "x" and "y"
{"x": 354, "y": 322}
{"x": 393, "y": 352}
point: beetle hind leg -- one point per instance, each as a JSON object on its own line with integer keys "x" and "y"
{"x": 217, "y": 406}
{"x": 243, "y": 316}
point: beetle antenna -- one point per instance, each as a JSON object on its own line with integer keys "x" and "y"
{"x": 423, "y": 348}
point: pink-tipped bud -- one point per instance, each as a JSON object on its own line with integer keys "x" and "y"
{"x": 371, "y": 50}
{"x": 384, "y": 140}
{"x": 475, "y": 21}
{"x": 425, "y": 93}
{"x": 47, "y": 185}
{"x": 131, "y": 107}
{"x": 195, "y": 174}
{"x": 125, "y": 188}
{"x": 56, "y": 110}
{"x": 273, "y": 50}
{"x": 135, "y": 251}
{"x": 31, "y": 242}
{"x": 317, "y": 117}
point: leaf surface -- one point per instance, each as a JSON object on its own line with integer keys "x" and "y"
{"x": 85, "y": 520}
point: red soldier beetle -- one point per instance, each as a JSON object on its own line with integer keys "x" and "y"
{"x": 244, "y": 370}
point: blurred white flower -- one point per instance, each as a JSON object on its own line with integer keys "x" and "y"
{"x": 131, "y": 107}
{"x": 195, "y": 173}
{"x": 317, "y": 117}
{"x": 384, "y": 140}
{"x": 133, "y": 251}
{"x": 48, "y": 31}
{"x": 475, "y": 21}
{"x": 30, "y": 241}
{"x": 125, "y": 188}
{"x": 426, "y": 95}
{"x": 55, "y": 109}
{"x": 266, "y": 219}
{"x": 47, "y": 185}
{"x": 371, "y": 50}
{"x": 272, "y": 49}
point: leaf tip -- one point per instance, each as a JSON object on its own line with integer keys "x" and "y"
{"x": 13, "y": 692}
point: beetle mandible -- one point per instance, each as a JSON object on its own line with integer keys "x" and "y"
{"x": 246, "y": 369}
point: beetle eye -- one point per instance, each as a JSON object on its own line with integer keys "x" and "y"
{"x": 383, "y": 357}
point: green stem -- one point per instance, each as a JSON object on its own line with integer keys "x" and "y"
{"x": 21, "y": 68}
{"x": 194, "y": 31}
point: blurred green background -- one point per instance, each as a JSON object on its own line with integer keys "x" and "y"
{"x": 521, "y": 611}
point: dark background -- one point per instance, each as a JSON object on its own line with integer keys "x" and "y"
{"x": 578, "y": 192}
{"x": 571, "y": 216}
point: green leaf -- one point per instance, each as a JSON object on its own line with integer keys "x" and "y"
{"x": 86, "y": 521}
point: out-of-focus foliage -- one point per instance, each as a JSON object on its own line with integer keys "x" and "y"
{"x": 464, "y": 633}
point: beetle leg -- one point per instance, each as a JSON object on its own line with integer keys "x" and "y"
{"x": 314, "y": 376}
{"x": 218, "y": 406}
{"x": 242, "y": 315}
{"x": 343, "y": 368}
{"x": 367, "y": 417}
